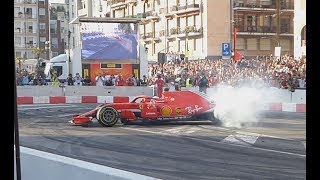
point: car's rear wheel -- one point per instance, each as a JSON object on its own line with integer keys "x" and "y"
{"x": 107, "y": 116}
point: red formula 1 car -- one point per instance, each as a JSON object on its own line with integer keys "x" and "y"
{"x": 173, "y": 105}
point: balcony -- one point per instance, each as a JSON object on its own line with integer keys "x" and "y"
{"x": 190, "y": 8}
{"x": 130, "y": 1}
{"x": 83, "y": 12}
{"x": 117, "y": 3}
{"x": 257, "y": 30}
{"x": 189, "y": 31}
{"x": 141, "y": 15}
{"x": 285, "y": 29}
{"x": 173, "y": 32}
{"x": 162, "y": 33}
{"x": 149, "y": 37}
{"x": 171, "y": 12}
{"x": 25, "y": 16}
{"x": 287, "y": 7}
{"x": 24, "y": 31}
{"x": 162, "y": 10}
{"x": 151, "y": 15}
{"x": 255, "y": 6}
{"x": 29, "y": 2}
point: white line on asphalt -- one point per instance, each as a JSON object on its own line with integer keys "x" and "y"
{"x": 85, "y": 165}
{"x": 247, "y": 133}
{"x": 257, "y": 148}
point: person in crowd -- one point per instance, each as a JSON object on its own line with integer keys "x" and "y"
{"x": 86, "y": 81}
{"x": 99, "y": 80}
{"x": 55, "y": 81}
{"x": 203, "y": 84}
{"x": 159, "y": 82}
{"x": 77, "y": 80}
{"x": 70, "y": 80}
{"x": 120, "y": 81}
{"x": 144, "y": 81}
{"x": 177, "y": 83}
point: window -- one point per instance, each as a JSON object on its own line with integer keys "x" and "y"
{"x": 42, "y": 11}
{"x": 265, "y": 44}
{"x": 285, "y": 44}
{"x": 252, "y": 44}
{"x": 16, "y": 11}
{"x": 240, "y": 44}
{"x": 18, "y": 54}
{"x": 251, "y": 21}
{"x": 54, "y": 42}
{"x": 195, "y": 45}
{"x": 42, "y": 26}
{"x": 30, "y": 55}
{"x": 17, "y": 41}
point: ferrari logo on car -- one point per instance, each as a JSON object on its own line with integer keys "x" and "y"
{"x": 141, "y": 106}
{"x": 166, "y": 111}
{"x": 178, "y": 110}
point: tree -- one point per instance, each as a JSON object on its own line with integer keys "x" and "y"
{"x": 19, "y": 60}
{"x": 38, "y": 51}
{"x": 39, "y": 70}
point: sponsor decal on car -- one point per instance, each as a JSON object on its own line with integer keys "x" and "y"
{"x": 193, "y": 110}
{"x": 166, "y": 110}
{"x": 178, "y": 110}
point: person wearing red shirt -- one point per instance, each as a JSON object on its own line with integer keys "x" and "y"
{"x": 160, "y": 84}
{"x": 121, "y": 81}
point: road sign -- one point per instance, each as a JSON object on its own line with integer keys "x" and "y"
{"x": 226, "y": 50}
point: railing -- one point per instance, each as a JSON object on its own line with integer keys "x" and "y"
{"x": 150, "y": 13}
{"x": 141, "y": 15}
{"x": 112, "y": 2}
{"x": 286, "y": 29}
{"x": 187, "y": 29}
{"x": 17, "y": 30}
{"x": 257, "y": 29}
{"x": 163, "y": 10}
{"x": 162, "y": 33}
{"x": 188, "y": 6}
{"x": 287, "y": 6}
{"x": 254, "y": 5}
{"x": 174, "y": 8}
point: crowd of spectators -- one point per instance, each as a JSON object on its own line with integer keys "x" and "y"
{"x": 285, "y": 72}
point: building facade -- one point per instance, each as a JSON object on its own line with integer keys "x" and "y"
{"x": 300, "y": 40}
{"x": 198, "y": 28}
{"x": 59, "y": 28}
{"x": 263, "y": 25}
{"x": 179, "y": 26}
{"x": 31, "y": 27}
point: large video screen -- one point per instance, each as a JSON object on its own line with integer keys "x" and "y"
{"x": 109, "y": 41}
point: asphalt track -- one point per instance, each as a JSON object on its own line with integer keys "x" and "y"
{"x": 274, "y": 148}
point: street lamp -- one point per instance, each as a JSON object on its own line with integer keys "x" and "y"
{"x": 47, "y": 48}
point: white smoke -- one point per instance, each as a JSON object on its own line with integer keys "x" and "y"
{"x": 238, "y": 106}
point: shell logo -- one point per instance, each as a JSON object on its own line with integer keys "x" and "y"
{"x": 166, "y": 111}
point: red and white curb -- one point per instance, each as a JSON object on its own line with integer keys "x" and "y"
{"x": 287, "y": 107}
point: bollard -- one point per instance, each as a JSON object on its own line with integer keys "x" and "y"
{"x": 63, "y": 88}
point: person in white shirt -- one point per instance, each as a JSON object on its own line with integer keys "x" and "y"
{"x": 77, "y": 80}
{"x": 99, "y": 80}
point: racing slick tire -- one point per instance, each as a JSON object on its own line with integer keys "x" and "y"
{"x": 107, "y": 116}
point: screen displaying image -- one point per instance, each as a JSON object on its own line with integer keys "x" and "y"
{"x": 109, "y": 41}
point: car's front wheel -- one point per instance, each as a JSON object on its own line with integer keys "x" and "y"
{"x": 107, "y": 116}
